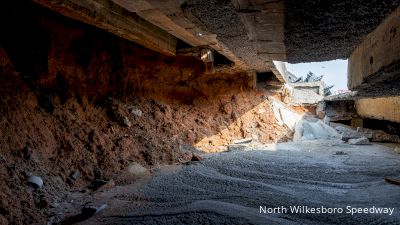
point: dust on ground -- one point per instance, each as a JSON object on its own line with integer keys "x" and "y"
{"x": 229, "y": 187}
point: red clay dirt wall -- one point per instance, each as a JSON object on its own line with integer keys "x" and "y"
{"x": 77, "y": 98}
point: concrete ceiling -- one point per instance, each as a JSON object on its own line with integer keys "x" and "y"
{"x": 250, "y": 33}
{"x": 320, "y": 30}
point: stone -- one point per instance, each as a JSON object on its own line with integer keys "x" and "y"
{"x": 359, "y": 141}
{"x": 126, "y": 121}
{"x": 136, "y": 112}
{"x": 75, "y": 175}
{"x": 35, "y": 181}
{"x": 137, "y": 169}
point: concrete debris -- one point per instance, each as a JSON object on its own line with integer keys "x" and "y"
{"x": 348, "y": 133}
{"x": 339, "y": 110}
{"x": 381, "y": 136}
{"x": 284, "y": 115}
{"x": 35, "y": 181}
{"x": 309, "y": 93}
{"x": 359, "y": 141}
{"x": 236, "y": 147}
{"x": 366, "y": 132}
{"x": 243, "y": 141}
{"x": 308, "y": 129}
{"x": 136, "y": 112}
{"x": 90, "y": 210}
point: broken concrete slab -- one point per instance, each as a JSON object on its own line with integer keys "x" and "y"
{"x": 308, "y": 129}
{"x": 309, "y": 93}
{"x": 359, "y": 141}
{"x": 348, "y": 133}
{"x": 338, "y": 110}
{"x": 243, "y": 141}
{"x": 284, "y": 115}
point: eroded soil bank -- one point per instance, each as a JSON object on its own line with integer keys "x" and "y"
{"x": 75, "y": 98}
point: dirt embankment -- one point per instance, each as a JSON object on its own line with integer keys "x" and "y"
{"x": 77, "y": 98}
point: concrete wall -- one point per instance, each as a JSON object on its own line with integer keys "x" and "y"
{"x": 376, "y": 59}
{"x": 379, "y": 108}
{"x": 304, "y": 93}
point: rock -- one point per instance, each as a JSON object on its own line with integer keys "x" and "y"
{"x": 243, "y": 141}
{"x": 359, "y": 141}
{"x": 35, "y": 181}
{"x": 136, "y": 112}
{"x": 136, "y": 169}
{"x": 75, "y": 175}
{"x": 196, "y": 158}
{"x": 236, "y": 147}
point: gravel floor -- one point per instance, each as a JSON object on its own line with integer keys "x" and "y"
{"x": 229, "y": 188}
